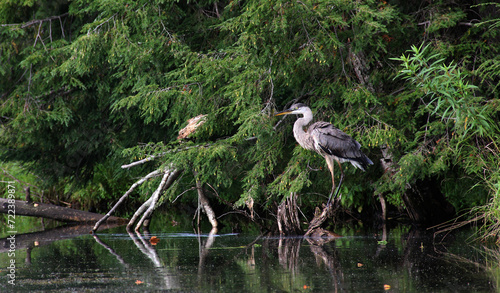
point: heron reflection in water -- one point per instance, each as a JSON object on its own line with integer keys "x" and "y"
{"x": 328, "y": 141}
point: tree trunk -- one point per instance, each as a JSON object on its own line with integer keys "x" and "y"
{"x": 288, "y": 218}
{"x": 426, "y": 205}
{"x": 52, "y": 212}
{"x": 361, "y": 68}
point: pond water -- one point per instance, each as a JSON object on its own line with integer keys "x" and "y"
{"x": 116, "y": 261}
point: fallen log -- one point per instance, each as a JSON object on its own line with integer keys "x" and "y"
{"x": 49, "y": 211}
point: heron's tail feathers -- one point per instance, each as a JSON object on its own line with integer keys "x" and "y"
{"x": 362, "y": 162}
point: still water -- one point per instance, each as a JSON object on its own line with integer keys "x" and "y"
{"x": 116, "y": 261}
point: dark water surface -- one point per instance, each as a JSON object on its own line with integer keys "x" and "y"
{"x": 115, "y": 261}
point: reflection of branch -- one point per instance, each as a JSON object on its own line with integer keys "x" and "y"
{"x": 331, "y": 261}
{"x": 453, "y": 258}
{"x": 288, "y": 253}
{"x": 143, "y": 244}
{"x": 111, "y": 250}
{"x": 145, "y": 247}
{"x": 46, "y": 237}
{"x": 205, "y": 249}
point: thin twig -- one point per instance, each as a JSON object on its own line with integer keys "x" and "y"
{"x": 182, "y": 193}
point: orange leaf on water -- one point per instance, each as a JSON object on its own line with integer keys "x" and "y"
{"x": 154, "y": 240}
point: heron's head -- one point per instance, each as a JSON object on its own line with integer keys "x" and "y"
{"x": 298, "y": 108}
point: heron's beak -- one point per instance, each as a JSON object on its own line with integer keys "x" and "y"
{"x": 288, "y": 111}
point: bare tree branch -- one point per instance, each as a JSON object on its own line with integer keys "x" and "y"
{"x": 120, "y": 201}
{"x": 35, "y": 21}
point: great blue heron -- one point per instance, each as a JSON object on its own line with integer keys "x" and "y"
{"x": 328, "y": 141}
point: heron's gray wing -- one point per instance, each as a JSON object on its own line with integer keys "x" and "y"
{"x": 334, "y": 142}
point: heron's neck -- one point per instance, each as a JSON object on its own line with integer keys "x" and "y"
{"x": 302, "y": 137}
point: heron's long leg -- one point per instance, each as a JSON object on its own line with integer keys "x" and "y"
{"x": 338, "y": 187}
{"x": 329, "y": 162}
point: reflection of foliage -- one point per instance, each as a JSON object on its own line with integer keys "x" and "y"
{"x": 355, "y": 262}
{"x": 492, "y": 257}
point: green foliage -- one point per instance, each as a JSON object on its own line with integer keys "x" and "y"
{"x": 459, "y": 130}
{"x": 88, "y": 86}
{"x": 451, "y": 97}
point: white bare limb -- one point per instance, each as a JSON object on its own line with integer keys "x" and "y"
{"x": 145, "y": 160}
{"x": 152, "y": 157}
{"x": 205, "y": 205}
{"x": 139, "y": 212}
{"x": 120, "y": 201}
{"x": 167, "y": 180}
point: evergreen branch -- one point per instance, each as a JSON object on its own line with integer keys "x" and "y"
{"x": 152, "y": 157}
{"x": 60, "y": 92}
{"x": 106, "y": 21}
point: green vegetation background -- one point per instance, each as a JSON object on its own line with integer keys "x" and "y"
{"x": 87, "y": 86}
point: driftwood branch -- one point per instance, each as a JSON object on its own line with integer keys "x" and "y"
{"x": 167, "y": 180}
{"x": 138, "y": 212}
{"x": 122, "y": 199}
{"x": 320, "y": 217}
